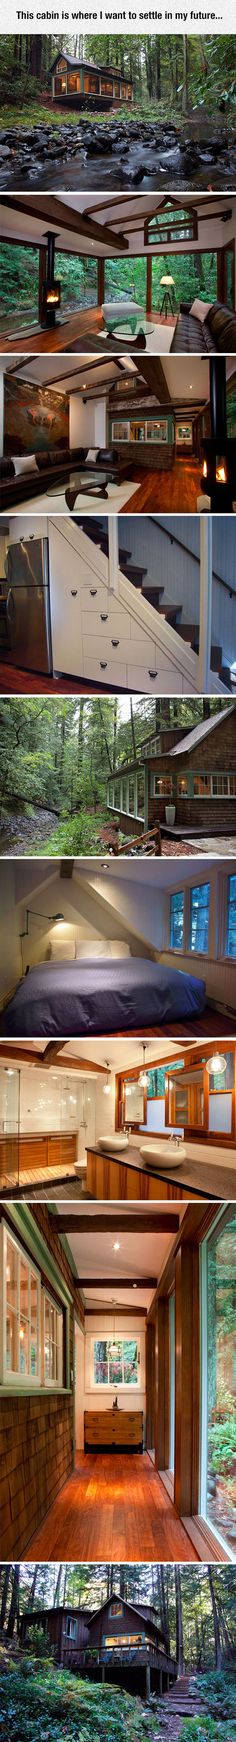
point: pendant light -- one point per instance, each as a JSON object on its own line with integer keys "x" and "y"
{"x": 143, "y": 1073}
{"x": 216, "y": 1065}
{"x": 107, "y": 1085}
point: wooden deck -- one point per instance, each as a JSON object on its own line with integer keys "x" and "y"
{"x": 114, "y": 1508}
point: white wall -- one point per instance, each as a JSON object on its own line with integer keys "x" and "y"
{"x": 86, "y": 1395}
{"x": 87, "y": 422}
{"x": 10, "y": 950}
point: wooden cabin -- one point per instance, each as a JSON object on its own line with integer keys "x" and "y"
{"x": 83, "y": 85}
{"x": 120, "y": 1642}
{"x": 191, "y": 769}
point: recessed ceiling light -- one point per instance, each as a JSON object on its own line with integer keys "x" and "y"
{"x": 84, "y": 383}
{"x": 116, "y": 1245}
{"x": 190, "y": 386}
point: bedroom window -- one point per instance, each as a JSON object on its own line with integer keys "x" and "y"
{"x": 177, "y": 920}
{"x": 52, "y": 1342}
{"x": 231, "y": 918}
{"x": 199, "y": 917}
{"x": 21, "y": 1314}
{"x": 71, "y": 1627}
{"x": 115, "y": 1361}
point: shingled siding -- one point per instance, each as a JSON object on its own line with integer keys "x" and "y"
{"x": 216, "y": 753}
{"x": 36, "y": 1437}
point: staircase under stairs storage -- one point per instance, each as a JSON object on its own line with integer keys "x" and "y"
{"x": 155, "y": 596}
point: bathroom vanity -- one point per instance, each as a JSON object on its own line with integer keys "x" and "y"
{"x": 126, "y": 1174}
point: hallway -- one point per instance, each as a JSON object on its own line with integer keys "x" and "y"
{"x": 115, "y": 1508}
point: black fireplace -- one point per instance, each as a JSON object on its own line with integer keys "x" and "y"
{"x": 219, "y": 451}
{"x": 51, "y": 289}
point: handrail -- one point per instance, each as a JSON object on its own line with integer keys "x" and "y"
{"x": 173, "y": 536}
{"x": 150, "y": 835}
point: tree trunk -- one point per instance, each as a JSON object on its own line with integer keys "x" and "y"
{"x": 217, "y": 1638}
{"x": 5, "y": 1590}
{"x": 185, "y": 76}
{"x": 31, "y": 1596}
{"x": 14, "y": 1604}
{"x": 179, "y": 1622}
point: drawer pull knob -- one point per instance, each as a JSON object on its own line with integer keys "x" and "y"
{"x": 103, "y": 664}
{"x": 152, "y": 673}
{"x": 115, "y": 643}
{"x": 93, "y": 591}
{"x": 104, "y": 616}
{"x": 74, "y": 591}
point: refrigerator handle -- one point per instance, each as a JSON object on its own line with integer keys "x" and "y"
{"x": 10, "y": 607}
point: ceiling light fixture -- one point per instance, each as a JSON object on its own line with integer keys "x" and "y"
{"x": 116, "y": 1245}
{"x": 143, "y": 1073}
{"x": 216, "y": 1065}
{"x": 107, "y": 1085}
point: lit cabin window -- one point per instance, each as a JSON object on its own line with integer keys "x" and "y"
{"x": 21, "y": 1294}
{"x": 199, "y": 917}
{"x": 52, "y": 1342}
{"x": 177, "y": 920}
{"x": 231, "y": 918}
{"x": 163, "y": 786}
{"x": 116, "y": 1608}
{"x": 115, "y": 1361}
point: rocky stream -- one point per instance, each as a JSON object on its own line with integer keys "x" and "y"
{"x": 119, "y": 154}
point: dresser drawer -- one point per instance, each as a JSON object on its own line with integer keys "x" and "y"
{"x": 105, "y": 622}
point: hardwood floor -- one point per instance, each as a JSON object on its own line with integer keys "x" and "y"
{"x": 78, "y": 332}
{"x": 17, "y": 682}
{"x": 175, "y": 491}
{"x": 115, "y": 1508}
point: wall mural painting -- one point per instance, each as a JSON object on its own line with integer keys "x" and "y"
{"x": 35, "y": 418}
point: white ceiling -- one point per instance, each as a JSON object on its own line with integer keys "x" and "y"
{"x": 139, "y": 1255}
{"x": 31, "y": 227}
{"x": 64, "y": 372}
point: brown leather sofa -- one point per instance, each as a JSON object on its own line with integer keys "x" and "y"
{"x": 216, "y": 333}
{"x": 55, "y": 465}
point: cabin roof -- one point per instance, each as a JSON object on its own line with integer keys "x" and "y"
{"x": 198, "y": 733}
{"x": 89, "y": 1615}
{"x": 143, "y": 1611}
{"x": 73, "y": 62}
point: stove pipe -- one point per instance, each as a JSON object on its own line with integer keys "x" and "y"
{"x": 50, "y": 237}
{"x": 218, "y": 401}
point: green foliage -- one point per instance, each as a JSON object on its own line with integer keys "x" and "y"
{"x": 203, "y": 1729}
{"x": 222, "y": 1445}
{"x": 219, "y": 1691}
{"x": 38, "y": 1640}
{"x": 166, "y": 80}
{"x": 55, "y": 1706}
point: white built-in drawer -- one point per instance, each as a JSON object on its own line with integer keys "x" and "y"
{"x": 93, "y": 596}
{"x": 105, "y": 622}
{"x": 101, "y": 670}
{"x": 101, "y": 646}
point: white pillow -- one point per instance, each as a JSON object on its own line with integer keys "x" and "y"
{"x": 94, "y": 947}
{"x": 28, "y": 464}
{"x": 119, "y": 949}
{"x": 62, "y": 950}
{"x": 92, "y": 454}
{"x": 200, "y": 309}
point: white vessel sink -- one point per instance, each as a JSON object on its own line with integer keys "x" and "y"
{"x": 165, "y": 1154}
{"x": 116, "y": 1142}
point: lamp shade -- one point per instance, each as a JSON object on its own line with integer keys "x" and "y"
{"x": 216, "y": 1065}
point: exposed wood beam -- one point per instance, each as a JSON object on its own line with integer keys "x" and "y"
{"x": 52, "y": 210}
{"x": 77, "y": 369}
{"x": 153, "y": 373}
{"x": 51, "y": 1051}
{"x": 22, "y": 1055}
{"x": 92, "y": 1312}
{"x": 116, "y": 1282}
{"x": 151, "y": 1223}
{"x": 66, "y": 868}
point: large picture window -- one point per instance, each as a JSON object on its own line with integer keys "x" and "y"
{"x": 78, "y": 275}
{"x": 231, "y": 918}
{"x": 115, "y": 1361}
{"x": 218, "y": 1474}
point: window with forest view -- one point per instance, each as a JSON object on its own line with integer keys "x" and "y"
{"x": 194, "y": 275}
{"x": 19, "y": 282}
{"x": 126, "y": 278}
{"x": 78, "y": 275}
{"x": 218, "y": 1497}
{"x": 115, "y": 1361}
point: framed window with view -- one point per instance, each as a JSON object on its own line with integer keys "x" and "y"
{"x": 115, "y": 1362}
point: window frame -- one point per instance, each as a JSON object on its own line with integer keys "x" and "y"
{"x": 114, "y": 1384}
{"x": 227, "y": 952}
{"x": 177, "y": 948}
{"x": 7, "y": 1375}
{"x": 34, "y": 1248}
{"x": 208, "y": 1523}
{"x": 50, "y": 1383}
{"x": 199, "y": 951}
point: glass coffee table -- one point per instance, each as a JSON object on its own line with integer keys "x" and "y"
{"x": 82, "y": 484}
{"x": 132, "y": 328}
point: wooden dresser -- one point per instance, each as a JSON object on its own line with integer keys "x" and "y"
{"x": 115, "y": 1428}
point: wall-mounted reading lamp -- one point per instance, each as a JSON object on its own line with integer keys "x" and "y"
{"x": 54, "y": 917}
{"x": 33, "y": 911}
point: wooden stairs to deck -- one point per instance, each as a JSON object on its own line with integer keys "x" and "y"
{"x": 182, "y": 1699}
{"x": 155, "y": 596}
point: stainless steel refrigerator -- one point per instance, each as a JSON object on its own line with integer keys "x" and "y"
{"x": 28, "y": 605}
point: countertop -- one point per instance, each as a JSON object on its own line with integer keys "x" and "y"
{"x": 209, "y": 1177}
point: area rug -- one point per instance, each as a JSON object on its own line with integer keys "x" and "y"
{"x": 118, "y": 495}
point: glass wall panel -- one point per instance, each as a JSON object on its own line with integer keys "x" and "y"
{"x": 126, "y": 278}
{"x": 9, "y": 1126}
{"x": 193, "y": 275}
{"x": 78, "y": 275}
{"x": 19, "y": 280}
{"x": 218, "y": 1498}
{"x": 172, "y": 1382}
